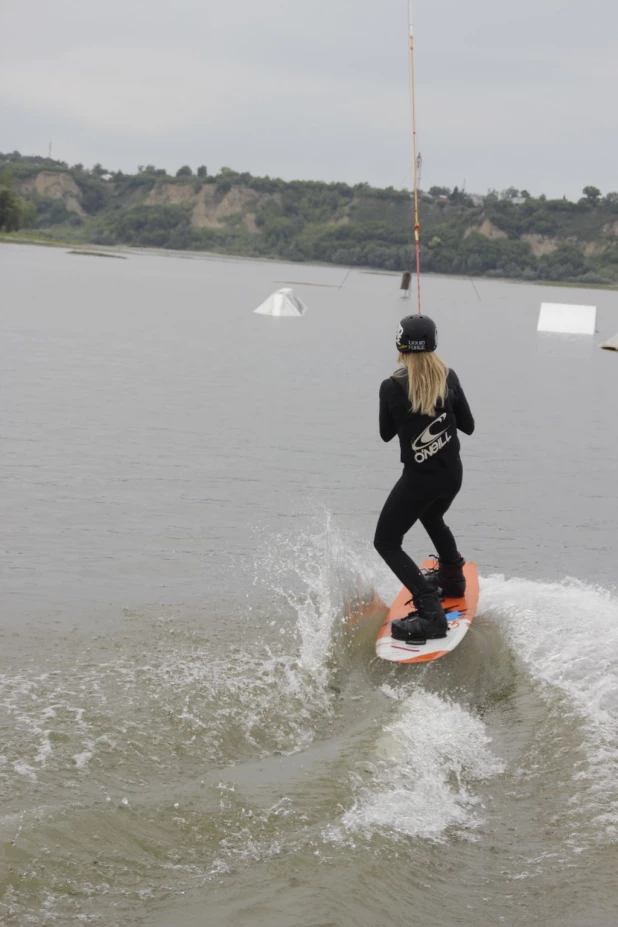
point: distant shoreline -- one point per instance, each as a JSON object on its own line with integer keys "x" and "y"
{"x": 16, "y": 238}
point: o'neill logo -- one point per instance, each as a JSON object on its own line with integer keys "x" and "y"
{"x": 429, "y": 443}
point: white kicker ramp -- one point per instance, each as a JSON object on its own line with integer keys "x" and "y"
{"x": 611, "y": 344}
{"x": 567, "y": 319}
{"x": 282, "y": 302}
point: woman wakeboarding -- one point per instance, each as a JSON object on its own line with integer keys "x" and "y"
{"x": 423, "y": 403}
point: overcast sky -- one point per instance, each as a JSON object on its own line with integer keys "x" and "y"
{"x": 520, "y": 93}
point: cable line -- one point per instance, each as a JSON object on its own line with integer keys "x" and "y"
{"x": 417, "y": 166}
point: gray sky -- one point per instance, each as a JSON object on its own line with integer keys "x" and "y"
{"x": 520, "y": 93}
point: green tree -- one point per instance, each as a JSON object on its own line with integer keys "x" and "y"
{"x": 9, "y": 210}
{"x": 224, "y": 185}
{"x": 565, "y": 263}
{"x": 15, "y": 212}
{"x": 475, "y": 264}
{"x": 51, "y": 212}
{"x": 201, "y": 171}
{"x": 184, "y": 171}
{"x": 592, "y": 194}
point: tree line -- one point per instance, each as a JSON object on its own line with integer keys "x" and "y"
{"x": 354, "y": 225}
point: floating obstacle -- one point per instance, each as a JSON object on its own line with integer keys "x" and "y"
{"x": 283, "y": 302}
{"x": 406, "y": 280}
{"x": 567, "y": 319}
{"x": 611, "y": 344}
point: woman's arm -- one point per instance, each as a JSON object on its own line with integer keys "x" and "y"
{"x": 388, "y": 429}
{"x": 463, "y": 415}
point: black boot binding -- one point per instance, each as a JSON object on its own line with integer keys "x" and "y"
{"x": 427, "y": 622}
{"x": 447, "y": 579}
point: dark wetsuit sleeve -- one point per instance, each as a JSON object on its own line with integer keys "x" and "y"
{"x": 388, "y": 429}
{"x": 465, "y": 419}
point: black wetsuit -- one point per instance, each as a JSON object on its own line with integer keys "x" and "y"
{"x": 431, "y": 477}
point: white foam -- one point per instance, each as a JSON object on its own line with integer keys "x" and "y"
{"x": 567, "y": 633}
{"x": 262, "y": 695}
{"x": 24, "y": 769}
{"x": 317, "y": 570}
{"x": 45, "y": 748}
{"x": 567, "y": 636}
{"x": 82, "y": 759}
{"x": 426, "y": 761}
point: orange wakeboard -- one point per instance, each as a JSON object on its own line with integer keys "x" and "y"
{"x": 459, "y": 613}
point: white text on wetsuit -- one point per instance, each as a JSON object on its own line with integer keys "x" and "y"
{"x": 429, "y": 443}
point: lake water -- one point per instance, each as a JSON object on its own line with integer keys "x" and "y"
{"x": 191, "y": 732}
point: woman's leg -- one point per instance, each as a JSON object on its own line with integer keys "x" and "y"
{"x": 401, "y": 510}
{"x": 432, "y": 520}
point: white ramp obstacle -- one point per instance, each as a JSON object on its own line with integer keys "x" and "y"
{"x": 611, "y": 344}
{"x": 567, "y": 319}
{"x": 282, "y": 302}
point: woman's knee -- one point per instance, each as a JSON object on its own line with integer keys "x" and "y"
{"x": 385, "y": 544}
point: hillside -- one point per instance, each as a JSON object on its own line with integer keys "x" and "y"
{"x": 508, "y": 235}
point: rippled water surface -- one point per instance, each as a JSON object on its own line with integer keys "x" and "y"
{"x": 194, "y": 729}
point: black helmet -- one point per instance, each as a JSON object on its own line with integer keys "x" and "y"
{"x": 417, "y": 333}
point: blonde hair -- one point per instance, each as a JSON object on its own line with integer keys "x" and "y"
{"x": 427, "y": 375}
